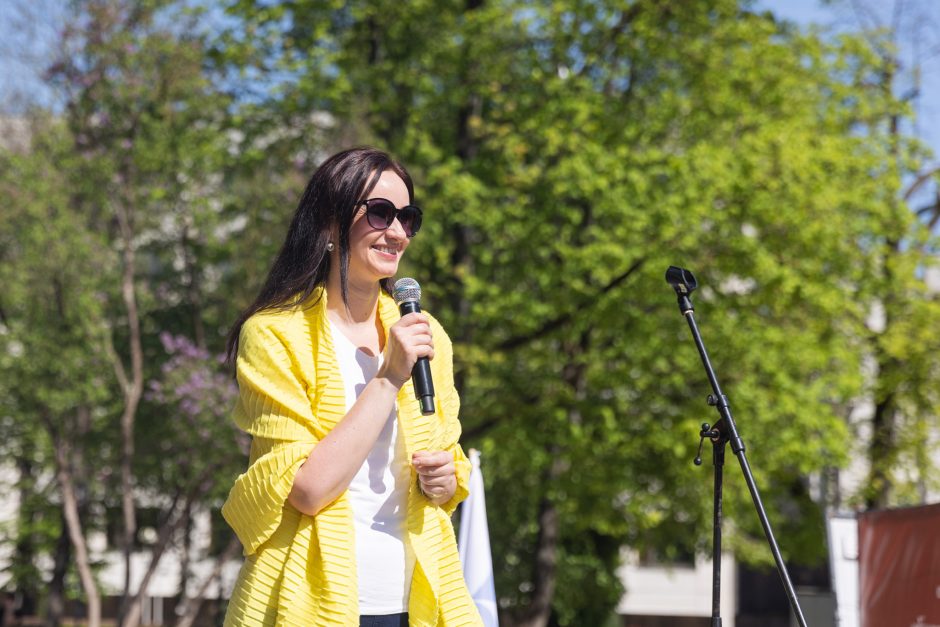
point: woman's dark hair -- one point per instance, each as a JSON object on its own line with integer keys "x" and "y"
{"x": 330, "y": 199}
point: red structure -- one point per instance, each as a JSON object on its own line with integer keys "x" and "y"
{"x": 899, "y": 567}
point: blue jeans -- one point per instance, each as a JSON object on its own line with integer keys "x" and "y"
{"x": 384, "y": 620}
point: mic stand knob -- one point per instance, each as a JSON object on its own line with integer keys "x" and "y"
{"x": 706, "y": 432}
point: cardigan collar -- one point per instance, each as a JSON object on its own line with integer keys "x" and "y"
{"x": 316, "y": 305}
{"x": 416, "y": 427}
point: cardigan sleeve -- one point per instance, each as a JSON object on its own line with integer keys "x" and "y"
{"x": 273, "y": 407}
{"x": 450, "y": 408}
{"x": 462, "y": 466}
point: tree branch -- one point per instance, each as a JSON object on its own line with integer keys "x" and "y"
{"x": 116, "y": 361}
{"x": 478, "y": 430}
{"x": 565, "y": 318}
{"x": 74, "y": 524}
{"x": 172, "y": 524}
{"x": 920, "y": 180}
{"x": 191, "y": 608}
{"x": 132, "y": 392}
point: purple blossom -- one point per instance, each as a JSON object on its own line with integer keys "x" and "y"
{"x": 198, "y": 380}
{"x": 192, "y": 386}
{"x": 168, "y": 341}
{"x": 189, "y": 406}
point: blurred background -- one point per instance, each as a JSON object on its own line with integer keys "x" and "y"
{"x": 565, "y": 154}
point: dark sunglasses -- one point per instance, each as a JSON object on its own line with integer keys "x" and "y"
{"x": 381, "y": 213}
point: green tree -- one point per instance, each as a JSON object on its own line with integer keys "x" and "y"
{"x": 53, "y": 354}
{"x": 151, "y": 124}
{"x": 116, "y": 232}
{"x": 904, "y": 355}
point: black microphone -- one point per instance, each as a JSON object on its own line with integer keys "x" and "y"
{"x": 407, "y": 294}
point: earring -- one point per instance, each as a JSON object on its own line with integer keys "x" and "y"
{"x": 330, "y": 246}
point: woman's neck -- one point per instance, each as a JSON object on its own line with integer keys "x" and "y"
{"x": 361, "y": 301}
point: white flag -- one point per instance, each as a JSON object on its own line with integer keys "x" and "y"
{"x": 474, "y": 546}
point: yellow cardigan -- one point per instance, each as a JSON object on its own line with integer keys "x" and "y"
{"x": 301, "y": 570}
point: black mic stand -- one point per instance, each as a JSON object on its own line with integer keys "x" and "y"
{"x": 724, "y": 431}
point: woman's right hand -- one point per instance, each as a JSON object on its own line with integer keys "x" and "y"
{"x": 408, "y": 340}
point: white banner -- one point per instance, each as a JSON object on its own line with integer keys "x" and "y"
{"x": 474, "y": 546}
{"x": 843, "y": 559}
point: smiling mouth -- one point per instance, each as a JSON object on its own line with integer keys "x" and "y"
{"x": 386, "y": 249}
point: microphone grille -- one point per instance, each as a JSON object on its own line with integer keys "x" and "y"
{"x": 406, "y": 291}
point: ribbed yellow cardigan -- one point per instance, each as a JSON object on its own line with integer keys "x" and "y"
{"x": 301, "y": 570}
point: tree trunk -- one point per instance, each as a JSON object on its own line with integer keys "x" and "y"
{"x": 544, "y": 566}
{"x": 8, "y": 609}
{"x": 193, "y": 283}
{"x": 24, "y": 552}
{"x": 185, "y": 558}
{"x": 881, "y": 453}
{"x": 133, "y": 390}
{"x": 191, "y": 607}
{"x": 55, "y": 598}
{"x": 461, "y": 258}
{"x": 76, "y": 533}
{"x": 133, "y": 608}
{"x": 131, "y": 616}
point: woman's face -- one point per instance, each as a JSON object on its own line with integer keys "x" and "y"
{"x": 374, "y": 254}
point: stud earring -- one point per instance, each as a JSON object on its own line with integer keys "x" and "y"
{"x": 330, "y": 246}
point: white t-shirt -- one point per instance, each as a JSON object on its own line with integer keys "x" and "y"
{"x": 378, "y": 495}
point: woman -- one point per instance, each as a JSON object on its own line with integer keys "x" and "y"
{"x": 344, "y": 510}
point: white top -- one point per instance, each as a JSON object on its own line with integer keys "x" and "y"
{"x": 378, "y": 496}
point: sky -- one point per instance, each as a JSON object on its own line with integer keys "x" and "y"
{"x": 27, "y": 38}
{"x": 28, "y": 33}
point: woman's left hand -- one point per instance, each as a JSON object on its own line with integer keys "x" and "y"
{"x": 437, "y": 474}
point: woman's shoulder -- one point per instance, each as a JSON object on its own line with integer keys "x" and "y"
{"x": 273, "y": 320}
{"x": 286, "y": 327}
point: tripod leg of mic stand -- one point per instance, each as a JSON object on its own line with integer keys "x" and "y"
{"x": 769, "y": 534}
{"x": 718, "y": 458}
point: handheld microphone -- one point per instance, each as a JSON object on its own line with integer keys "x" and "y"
{"x": 407, "y": 294}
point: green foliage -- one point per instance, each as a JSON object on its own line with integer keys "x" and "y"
{"x": 52, "y": 339}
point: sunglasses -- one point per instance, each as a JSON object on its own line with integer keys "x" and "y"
{"x": 381, "y": 213}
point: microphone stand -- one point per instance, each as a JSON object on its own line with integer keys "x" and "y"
{"x": 721, "y": 433}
